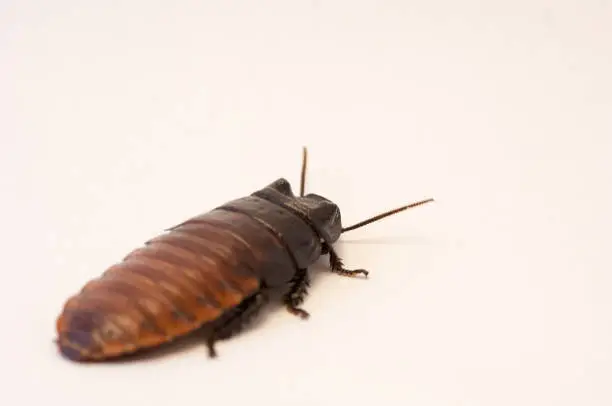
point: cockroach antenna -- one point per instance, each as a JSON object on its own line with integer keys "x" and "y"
{"x": 386, "y": 214}
{"x": 364, "y": 222}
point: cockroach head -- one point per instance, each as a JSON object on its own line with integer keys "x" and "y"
{"x": 325, "y": 215}
{"x": 321, "y": 213}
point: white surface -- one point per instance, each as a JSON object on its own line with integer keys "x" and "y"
{"x": 121, "y": 119}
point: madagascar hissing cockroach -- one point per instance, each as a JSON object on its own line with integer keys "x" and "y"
{"x": 211, "y": 273}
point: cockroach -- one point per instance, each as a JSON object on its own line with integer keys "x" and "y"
{"x": 211, "y": 273}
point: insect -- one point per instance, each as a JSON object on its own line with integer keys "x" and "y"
{"x": 211, "y": 273}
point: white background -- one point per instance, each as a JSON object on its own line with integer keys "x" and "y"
{"x": 121, "y": 119}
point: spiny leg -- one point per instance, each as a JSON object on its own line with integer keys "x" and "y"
{"x": 297, "y": 293}
{"x": 236, "y": 320}
{"x": 337, "y": 266}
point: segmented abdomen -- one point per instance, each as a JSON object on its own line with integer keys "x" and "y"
{"x": 172, "y": 285}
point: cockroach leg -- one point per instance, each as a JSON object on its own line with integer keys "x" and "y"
{"x": 298, "y": 292}
{"x": 235, "y": 320}
{"x": 337, "y": 266}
